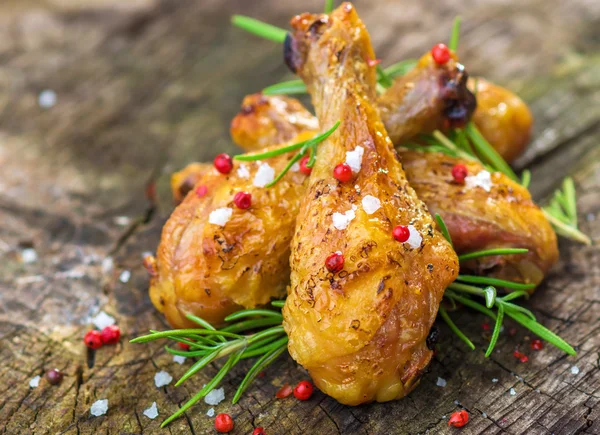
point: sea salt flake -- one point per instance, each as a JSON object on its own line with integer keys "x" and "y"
{"x": 371, "y": 204}
{"x": 151, "y": 412}
{"x": 575, "y": 370}
{"x": 354, "y": 158}
{"x": 102, "y": 320}
{"x": 264, "y": 175}
{"x": 414, "y": 239}
{"x": 122, "y": 220}
{"x": 483, "y": 179}
{"x": 215, "y": 396}
{"x": 441, "y": 382}
{"x": 124, "y": 277}
{"x": 162, "y": 378}
{"x": 295, "y": 167}
{"x": 210, "y": 412}
{"x": 47, "y": 98}
{"x": 107, "y": 265}
{"x": 179, "y": 359}
{"x": 341, "y": 220}
{"x": 99, "y": 407}
{"x": 243, "y": 172}
{"x": 29, "y": 255}
{"x": 494, "y": 380}
{"x": 34, "y": 382}
{"x": 220, "y": 216}
{"x": 513, "y": 392}
{"x": 484, "y": 415}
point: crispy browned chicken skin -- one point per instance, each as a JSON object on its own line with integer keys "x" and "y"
{"x": 478, "y": 219}
{"x": 361, "y": 332}
{"x": 213, "y": 269}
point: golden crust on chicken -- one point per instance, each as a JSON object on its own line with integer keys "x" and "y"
{"x": 503, "y": 118}
{"x": 360, "y": 330}
{"x": 215, "y": 258}
{"x": 429, "y": 97}
{"x": 265, "y": 121}
{"x": 487, "y": 211}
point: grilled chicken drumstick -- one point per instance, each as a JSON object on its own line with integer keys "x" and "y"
{"x": 361, "y": 303}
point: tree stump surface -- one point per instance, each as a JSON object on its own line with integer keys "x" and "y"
{"x": 144, "y": 87}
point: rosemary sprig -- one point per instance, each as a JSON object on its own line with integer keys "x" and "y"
{"x": 286, "y": 88}
{"x": 259, "y": 28}
{"x": 209, "y": 344}
{"x": 453, "y": 43}
{"x": 328, "y": 6}
{"x": 488, "y": 153}
{"x": 309, "y": 145}
{"x": 562, "y": 212}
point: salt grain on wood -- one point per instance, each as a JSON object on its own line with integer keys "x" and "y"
{"x": 102, "y": 320}
{"x": 215, "y": 396}
{"x": 151, "y": 412}
{"x": 162, "y": 378}
{"x": 179, "y": 359}
{"x": 99, "y": 407}
{"x": 34, "y": 382}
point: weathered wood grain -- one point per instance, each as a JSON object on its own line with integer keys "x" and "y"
{"x": 146, "y": 86}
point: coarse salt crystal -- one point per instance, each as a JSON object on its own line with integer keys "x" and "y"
{"x": 441, "y": 382}
{"x": 512, "y": 392}
{"x": 494, "y": 380}
{"x": 220, "y": 216}
{"x": 107, "y": 265}
{"x": 162, "y": 378}
{"x": 295, "y": 167}
{"x": 124, "y": 277}
{"x": 414, "y": 239}
{"x": 151, "y": 412}
{"x": 215, "y": 396}
{"x": 29, "y": 255}
{"x": 179, "y": 359}
{"x": 243, "y": 172}
{"x": 371, "y": 204}
{"x": 99, "y": 407}
{"x": 122, "y": 220}
{"x": 210, "y": 412}
{"x": 354, "y": 158}
{"x": 484, "y": 415}
{"x": 483, "y": 179}
{"x": 47, "y": 98}
{"x": 575, "y": 370}
{"x": 102, "y": 320}
{"x": 264, "y": 175}
{"x": 341, "y": 220}
{"x": 34, "y": 382}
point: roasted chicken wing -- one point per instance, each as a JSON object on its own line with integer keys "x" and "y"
{"x": 487, "y": 211}
{"x": 502, "y": 117}
{"x": 361, "y": 303}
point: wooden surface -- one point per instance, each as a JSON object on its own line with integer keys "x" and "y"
{"x": 143, "y": 87}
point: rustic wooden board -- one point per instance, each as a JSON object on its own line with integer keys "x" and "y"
{"x": 144, "y": 87}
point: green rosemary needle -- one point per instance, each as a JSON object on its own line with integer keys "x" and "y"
{"x": 328, "y": 6}
{"x": 453, "y": 43}
{"x": 286, "y": 88}
{"x": 259, "y": 28}
{"x": 309, "y": 145}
